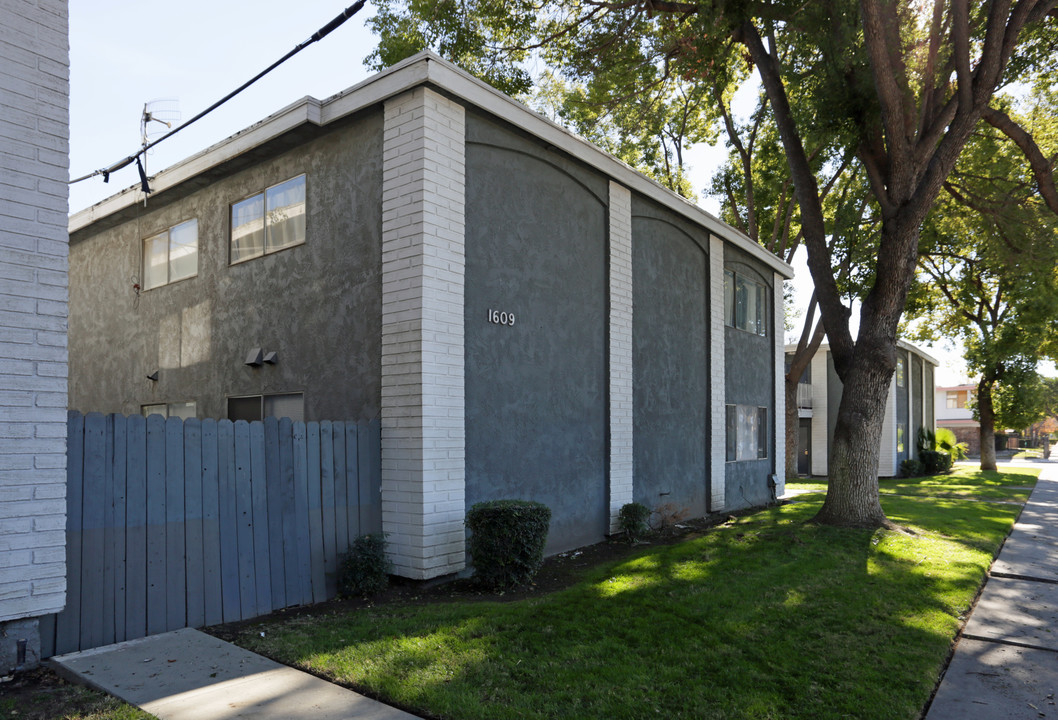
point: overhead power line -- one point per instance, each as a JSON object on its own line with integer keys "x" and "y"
{"x": 135, "y": 157}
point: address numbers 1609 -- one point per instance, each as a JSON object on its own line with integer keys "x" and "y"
{"x": 501, "y": 318}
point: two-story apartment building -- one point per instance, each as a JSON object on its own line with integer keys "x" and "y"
{"x": 527, "y": 316}
{"x": 954, "y": 413}
{"x": 911, "y": 406}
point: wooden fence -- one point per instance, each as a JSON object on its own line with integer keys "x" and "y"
{"x": 174, "y": 523}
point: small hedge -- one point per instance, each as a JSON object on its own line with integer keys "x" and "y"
{"x": 910, "y": 468}
{"x": 633, "y": 520}
{"x": 364, "y": 569}
{"x": 935, "y": 462}
{"x": 507, "y": 541}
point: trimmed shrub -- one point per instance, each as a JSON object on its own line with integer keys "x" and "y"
{"x": 910, "y": 468}
{"x": 935, "y": 462}
{"x": 507, "y": 541}
{"x": 364, "y": 569}
{"x": 633, "y": 520}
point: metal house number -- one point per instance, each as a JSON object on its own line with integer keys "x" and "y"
{"x": 497, "y": 317}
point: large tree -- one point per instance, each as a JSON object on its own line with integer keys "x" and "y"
{"x": 901, "y": 86}
{"x": 989, "y": 273}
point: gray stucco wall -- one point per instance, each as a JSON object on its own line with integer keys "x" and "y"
{"x": 318, "y": 305}
{"x": 750, "y": 380}
{"x": 670, "y": 346}
{"x": 536, "y": 391}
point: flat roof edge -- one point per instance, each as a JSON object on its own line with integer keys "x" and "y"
{"x": 420, "y": 69}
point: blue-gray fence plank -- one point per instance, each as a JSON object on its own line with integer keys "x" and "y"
{"x": 275, "y": 513}
{"x": 229, "y": 537}
{"x": 312, "y": 450}
{"x": 292, "y": 573}
{"x": 352, "y": 481}
{"x": 136, "y": 529}
{"x": 370, "y": 448}
{"x": 327, "y": 489}
{"x": 156, "y": 587}
{"x": 92, "y": 532}
{"x": 175, "y": 550}
{"x": 211, "y": 524}
{"x": 108, "y": 533}
{"x": 193, "y": 531}
{"x": 301, "y": 511}
{"x": 258, "y": 478}
{"x": 187, "y": 523}
{"x": 119, "y": 452}
{"x": 244, "y": 514}
{"x": 341, "y": 490}
{"x": 68, "y": 624}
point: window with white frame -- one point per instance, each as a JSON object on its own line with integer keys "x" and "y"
{"x": 747, "y": 432}
{"x": 745, "y": 303}
{"x": 258, "y": 407}
{"x": 901, "y": 372}
{"x": 170, "y": 255}
{"x": 182, "y": 410}
{"x": 269, "y": 221}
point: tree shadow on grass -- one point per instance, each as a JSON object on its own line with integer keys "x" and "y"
{"x": 764, "y": 617}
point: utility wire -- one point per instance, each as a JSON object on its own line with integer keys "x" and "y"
{"x": 318, "y": 35}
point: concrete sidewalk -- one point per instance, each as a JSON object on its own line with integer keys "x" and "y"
{"x": 1006, "y": 661}
{"x": 188, "y": 675}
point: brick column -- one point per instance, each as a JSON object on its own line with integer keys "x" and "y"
{"x": 779, "y": 441}
{"x": 717, "y": 385}
{"x": 423, "y": 437}
{"x": 621, "y": 459}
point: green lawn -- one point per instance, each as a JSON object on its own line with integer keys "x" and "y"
{"x": 763, "y": 617}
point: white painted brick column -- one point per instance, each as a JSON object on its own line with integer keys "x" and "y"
{"x": 621, "y": 458}
{"x": 718, "y": 383}
{"x": 820, "y": 434}
{"x": 423, "y": 401}
{"x": 779, "y": 441}
{"x": 34, "y": 144}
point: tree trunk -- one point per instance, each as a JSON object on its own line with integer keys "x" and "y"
{"x": 987, "y": 416}
{"x": 852, "y": 495}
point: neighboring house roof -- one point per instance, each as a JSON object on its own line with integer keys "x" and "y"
{"x": 899, "y": 343}
{"x": 306, "y": 117}
{"x": 957, "y": 422}
{"x": 956, "y": 387}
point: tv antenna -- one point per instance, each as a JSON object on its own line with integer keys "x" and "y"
{"x": 158, "y": 113}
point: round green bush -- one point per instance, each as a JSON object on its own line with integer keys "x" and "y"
{"x": 935, "y": 462}
{"x": 507, "y": 541}
{"x": 633, "y": 520}
{"x": 364, "y": 569}
{"x": 910, "y": 468}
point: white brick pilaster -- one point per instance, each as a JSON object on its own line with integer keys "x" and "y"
{"x": 621, "y": 458}
{"x": 779, "y": 441}
{"x": 423, "y": 408}
{"x": 717, "y": 385}
{"x": 820, "y": 433}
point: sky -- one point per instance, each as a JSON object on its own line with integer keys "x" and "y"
{"x": 190, "y": 54}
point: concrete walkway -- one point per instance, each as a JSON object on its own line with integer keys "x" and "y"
{"x": 188, "y": 675}
{"x": 1006, "y": 661}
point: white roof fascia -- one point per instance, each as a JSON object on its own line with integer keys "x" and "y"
{"x": 791, "y": 347}
{"x": 427, "y": 67}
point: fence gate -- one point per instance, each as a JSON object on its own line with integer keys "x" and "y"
{"x": 187, "y": 523}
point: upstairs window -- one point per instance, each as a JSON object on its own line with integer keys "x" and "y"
{"x": 745, "y": 303}
{"x": 258, "y": 407}
{"x": 269, "y": 221}
{"x": 170, "y": 255}
{"x": 182, "y": 410}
